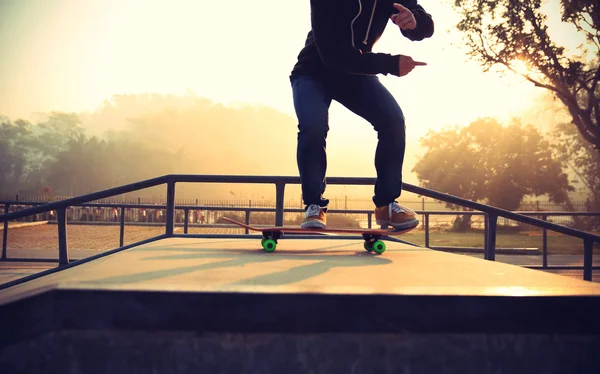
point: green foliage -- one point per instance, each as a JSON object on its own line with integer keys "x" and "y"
{"x": 491, "y": 163}
{"x": 56, "y": 156}
{"x": 16, "y": 143}
{"x": 136, "y": 137}
{"x": 585, "y": 15}
{"x": 581, "y": 158}
{"x": 503, "y": 32}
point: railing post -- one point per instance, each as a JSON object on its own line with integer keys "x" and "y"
{"x": 490, "y": 242}
{"x": 122, "y": 227}
{"x": 63, "y": 250}
{"x": 5, "y": 233}
{"x": 370, "y": 220}
{"x": 485, "y": 231}
{"x": 426, "y": 216}
{"x": 247, "y": 220}
{"x": 588, "y": 249}
{"x": 544, "y": 244}
{"x": 186, "y": 219}
{"x": 279, "y": 190}
{"x": 170, "y": 219}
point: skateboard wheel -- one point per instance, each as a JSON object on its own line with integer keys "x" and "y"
{"x": 379, "y": 247}
{"x": 369, "y": 246}
{"x": 269, "y": 245}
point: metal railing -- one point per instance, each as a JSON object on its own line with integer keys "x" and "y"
{"x": 491, "y": 214}
{"x": 184, "y": 221}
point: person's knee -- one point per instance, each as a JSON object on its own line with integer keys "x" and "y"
{"x": 313, "y": 130}
{"x": 392, "y": 127}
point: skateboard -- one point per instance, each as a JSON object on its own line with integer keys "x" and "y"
{"x": 372, "y": 237}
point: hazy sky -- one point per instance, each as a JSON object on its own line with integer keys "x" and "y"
{"x": 70, "y": 55}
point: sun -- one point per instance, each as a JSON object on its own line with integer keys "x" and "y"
{"x": 524, "y": 68}
{"x": 520, "y": 66}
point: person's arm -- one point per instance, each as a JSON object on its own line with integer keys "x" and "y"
{"x": 331, "y": 22}
{"x": 424, "y": 22}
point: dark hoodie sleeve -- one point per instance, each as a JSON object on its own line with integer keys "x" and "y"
{"x": 331, "y": 26}
{"x": 425, "y": 24}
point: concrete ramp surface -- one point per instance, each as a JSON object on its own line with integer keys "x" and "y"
{"x": 182, "y": 305}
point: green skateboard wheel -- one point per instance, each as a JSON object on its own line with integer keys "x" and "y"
{"x": 379, "y": 247}
{"x": 269, "y": 245}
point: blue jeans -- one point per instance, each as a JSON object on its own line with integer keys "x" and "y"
{"x": 365, "y": 96}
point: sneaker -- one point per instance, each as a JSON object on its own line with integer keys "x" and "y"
{"x": 314, "y": 218}
{"x": 397, "y": 216}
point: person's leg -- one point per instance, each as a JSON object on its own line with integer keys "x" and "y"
{"x": 368, "y": 98}
{"x": 311, "y": 103}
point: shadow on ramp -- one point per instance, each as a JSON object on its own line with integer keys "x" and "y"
{"x": 318, "y": 261}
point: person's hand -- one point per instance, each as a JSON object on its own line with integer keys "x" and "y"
{"x": 404, "y": 18}
{"x": 407, "y": 64}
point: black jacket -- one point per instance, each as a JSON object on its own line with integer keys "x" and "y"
{"x": 344, "y": 31}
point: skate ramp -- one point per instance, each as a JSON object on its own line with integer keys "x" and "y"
{"x": 223, "y": 306}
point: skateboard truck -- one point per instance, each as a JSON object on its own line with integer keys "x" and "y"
{"x": 269, "y": 240}
{"x": 373, "y": 243}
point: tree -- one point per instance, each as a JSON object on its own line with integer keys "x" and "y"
{"x": 14, "y": 139}
{"x": 88, "y": 165}
{"x": 581, "y": 159}
{"x": 513, "y": 33}
{"x": 55, "y": 133}
{"x": 491, "y": 163}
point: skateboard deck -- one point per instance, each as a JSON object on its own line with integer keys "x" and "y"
{"x": 372, "y": 237}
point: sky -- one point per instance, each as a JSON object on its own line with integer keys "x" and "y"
{"x": 71, "y": 55}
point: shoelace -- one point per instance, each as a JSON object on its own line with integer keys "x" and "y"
{"x": 313, "y": 210}
{"x": 394, "y": 207}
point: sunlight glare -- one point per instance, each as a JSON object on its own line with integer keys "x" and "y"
{"x": 524, "y": 69}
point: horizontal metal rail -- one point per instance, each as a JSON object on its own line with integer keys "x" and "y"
{"x": 491, "y": 213}
{"x": 78, "y": 262}
{"x": 268, "y": 209}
